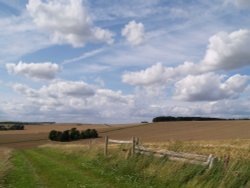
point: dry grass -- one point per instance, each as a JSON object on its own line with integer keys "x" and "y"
{"x": 234, "y": 148}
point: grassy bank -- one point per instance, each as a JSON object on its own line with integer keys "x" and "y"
{"x": 74, "y": 166}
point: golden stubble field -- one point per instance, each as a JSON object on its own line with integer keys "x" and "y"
{"x": 35, "y": 135}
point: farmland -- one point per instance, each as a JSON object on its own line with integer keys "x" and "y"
{"x": 37, "y": 162}
{"x": 34, "y": 135}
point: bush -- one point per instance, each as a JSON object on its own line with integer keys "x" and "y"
{"x": 53, "y": 135}
{"x": 93, "y": 133}
{"x": 72, "y": 134}
{"x": 65, "y": 136}
{"x": 89, "y": 133}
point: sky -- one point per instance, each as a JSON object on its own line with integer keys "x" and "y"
{"x": 108, "y": 61}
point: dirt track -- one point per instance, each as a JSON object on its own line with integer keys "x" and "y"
{"x": 155, "y": 132}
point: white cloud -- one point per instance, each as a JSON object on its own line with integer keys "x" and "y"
{"x": 158, "y": 74}
{"x": 58, "y": 89}
{"x": 152, "y": 75}
{"x": 68, "y": 88}
{"x": 210, "y": 87}
{"x": 134, "y": 33}
{"x": 37, "y": 71}
{"x": 25, "y": 90}
{"x": 227, "y": 51}
{"x": 68, "y": 21}
{"x": 75, "y": 98}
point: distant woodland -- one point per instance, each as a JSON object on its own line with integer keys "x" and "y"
{"x": 172, "y": 118}
{"x": 23, "y": 123}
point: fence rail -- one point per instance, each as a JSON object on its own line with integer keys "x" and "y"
{"x": 120, "y": 141}
{"x": 171, "y": 155}
{"x": 134, "y": 141}
{"x": 178, "y": 156}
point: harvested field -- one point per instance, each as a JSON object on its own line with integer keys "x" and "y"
{"x": 35, "y": 135}
{"x": 192, "y": 130}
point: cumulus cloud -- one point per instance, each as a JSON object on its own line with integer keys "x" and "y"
{"x": 37, "y": 71}
{"x": 58, "y": 89}
{"x": 149, "y": 76}
{"x": 68, "y": 21}
{"x": 76, "y": 97}
{"x": 158, "y": 74}
{"x": 134, "y": 33}
{"x": 25, "y": 90}
{"x": 227, "y": 51}
{"x": 210, "y": 87}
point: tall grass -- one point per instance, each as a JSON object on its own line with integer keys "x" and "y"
{"x": 81, "y": 166}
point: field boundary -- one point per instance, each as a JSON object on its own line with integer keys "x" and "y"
{"x": 203, "y": 160}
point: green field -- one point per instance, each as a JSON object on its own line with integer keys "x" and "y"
{"x": 71, "y": 166}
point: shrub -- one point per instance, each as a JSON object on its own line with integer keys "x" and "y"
{"x": 65, "y": 136}
{"x": 58, "y": 136}
{"x": 89, "y": 133}
{"x": 53, "y": 135}
{"x": 72, "y": 134}
{"x": 93, "y": 133}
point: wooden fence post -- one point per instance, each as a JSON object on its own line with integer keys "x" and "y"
{"x": 133, "y": 146}
{"x": 211, "y": 162}
{"x": 106, "y": 146}
{"x": 137, "y": 141}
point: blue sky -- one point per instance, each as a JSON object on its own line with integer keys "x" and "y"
{"x": 123, "y": 61}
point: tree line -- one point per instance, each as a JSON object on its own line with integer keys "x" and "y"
{"x": 184, "y": 118}
{"x": 11, "y": 127}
